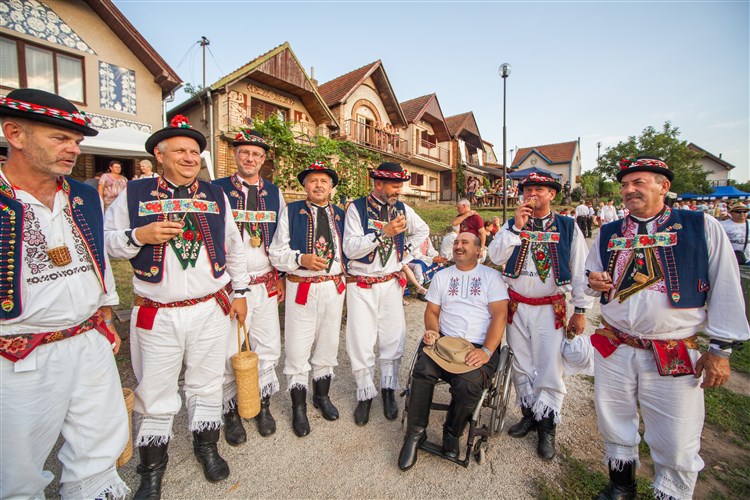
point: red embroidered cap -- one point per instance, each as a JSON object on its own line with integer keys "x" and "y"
{"x": 643, "y": 164}
{"x": 40, "y": 106}
{"x": 318, "y": 166}
{"x": 178, "y": 127}
{"x": 389, "y": 171}
{"x": 247, "y": 136}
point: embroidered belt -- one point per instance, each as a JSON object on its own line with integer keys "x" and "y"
{"x": 17, "y": 347}
{"x": 368, "y": 281}
{"x": 671, "y": 356}
{"x": 270, "y": 279}
{"x": 305, "y": 281}
{"x": 557, "y": 301}
{"x": 221, "y": 297}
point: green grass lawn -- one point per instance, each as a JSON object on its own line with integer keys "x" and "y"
{"x": 439, "y": 217}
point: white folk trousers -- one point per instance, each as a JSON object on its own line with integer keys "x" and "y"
{"x": 375, "y": 314}
{"x": 264, "y": 330}
{"x": 537, "y": 362}
{"x": 672, "y": 409}
{"x": 74, "y": 391}
{"x": 316, "y": 323}
{"x": 196, "y": 335}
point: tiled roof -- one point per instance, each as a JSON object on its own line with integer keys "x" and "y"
{"x": 455, "y": 122}
{"x": 715, "y": 158}
{"x": 561, "y": 152}
{"x": 412, "y": 107}
{"x": 336, "y": 90}
{"x": 247, "y": 67}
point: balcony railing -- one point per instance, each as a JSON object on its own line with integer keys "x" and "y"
{"x": 379, "y": 139}
{"x": 432, "y": 151}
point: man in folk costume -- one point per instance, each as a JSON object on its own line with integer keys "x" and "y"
{"x": 57, "y": 371}
{"x": 664, "y": 275}
{"x": 182, "y": 242}
{"x": 256, "y": 204}
{"x": 375, "y": 244}
{"x": 544, "y": 255}
{"x": 307, "y": 246}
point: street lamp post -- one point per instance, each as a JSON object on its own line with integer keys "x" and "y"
{"x": 504, "y": 71}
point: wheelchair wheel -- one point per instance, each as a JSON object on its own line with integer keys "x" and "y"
{"x": 501, "y": 391}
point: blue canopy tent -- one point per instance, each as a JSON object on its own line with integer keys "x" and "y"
{"x": 718, "y": 193}
{"x": 521, "y": 174}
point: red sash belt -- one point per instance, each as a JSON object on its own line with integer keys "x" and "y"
{"x": 557, "y": 302}
{"x": 671, "y": 356}
{"x": 17, "y": 347}
{"x": 270, "y": 279}
{"x": 368, "y": 281}
{"x": 305, "y": 281}
{"x": 148, "y": 307}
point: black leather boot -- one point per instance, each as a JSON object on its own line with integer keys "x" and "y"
{"x": 234, "y": 432}
{"x": 321, "y": 400}
{"x": 390, "y": 408}
{"x": 622, "y": 485}
{"x": 265, "y": 421}
{"x": 545, "y": 429}
{"x": 300, "y": 424}
{"x": 417, "y": 418}
{"x": 154, "y": 460}
{"x": 362, "y": 412}
{"x": 215, "y": 468}
{"x": 523, "y": 426}
{"x": 455, "y": 424}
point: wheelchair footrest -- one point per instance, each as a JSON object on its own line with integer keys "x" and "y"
{"x": 437, "y": 449}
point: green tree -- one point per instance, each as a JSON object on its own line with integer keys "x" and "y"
{"x": 293, "y": 153}
{"x": 193, "y": 90}
{"x": 460, "y": 179}
{"x": 664, "y": 144}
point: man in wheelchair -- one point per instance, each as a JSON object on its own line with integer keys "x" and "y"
{"x": 467, "y": 304}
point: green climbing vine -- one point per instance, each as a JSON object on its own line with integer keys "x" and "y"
{"x": 460, "y": 179}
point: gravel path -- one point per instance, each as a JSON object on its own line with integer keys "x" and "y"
{"x": 340, "y": 460}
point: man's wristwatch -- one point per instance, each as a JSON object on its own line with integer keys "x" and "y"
{"x": 486, "y": 351}
{"x": 131, "y": 240}
{"x": 240, "y": 292}
{"x": 579, "y": 310}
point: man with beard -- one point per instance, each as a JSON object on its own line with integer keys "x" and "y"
{"x": 57, "y": 371}
{"x": 256, "y": 204}
{"x": 307, "y": 246}
{"x": 183, "y": 245}
{"x": 544, "y": 255}
{"x": 376, "y": 246}
{"x": 664, "y": 275}
{"x": 466, "y": 302}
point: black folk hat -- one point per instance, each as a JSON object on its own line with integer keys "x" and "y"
{"x": 41, "y": 106}
{"x": 643, "y": 164}
{"x": 250, "y": 137}
{"x": 318, "y": 166}
{"x": 536, "y": 179}
{"x": 389, "y": 171}
{"x": 178, "y": 127}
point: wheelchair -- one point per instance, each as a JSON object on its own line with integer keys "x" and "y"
{"x": 495, "y": 399}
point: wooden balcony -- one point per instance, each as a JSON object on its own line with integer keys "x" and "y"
{"x": 432, "y": 151}
{"x": 377, "y": 139}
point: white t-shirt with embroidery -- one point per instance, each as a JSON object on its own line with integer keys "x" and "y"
{"x": 464, "y": 298}
{"x": 737, "y": 234}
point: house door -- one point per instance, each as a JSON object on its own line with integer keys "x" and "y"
{"x": 446, "y": 186}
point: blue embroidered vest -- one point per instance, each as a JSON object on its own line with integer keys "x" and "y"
{"x": 148, "y": 264}
{"x": 302, "y": 227}
{"x": 559, "y": 252}
{"x": 86, "y": 210}
{"x": 368, "y": 209}
{"x": 269, "y": 197}
{"x": 685, "y": 265}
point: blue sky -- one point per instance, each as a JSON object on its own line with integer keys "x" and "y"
{"x": 601, "y": 71}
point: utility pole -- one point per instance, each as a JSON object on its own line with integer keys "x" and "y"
{"x": 203, "y": 42}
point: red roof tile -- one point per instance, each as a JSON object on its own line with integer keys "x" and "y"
{"x": 455, "y": 122}
{"x": 334, "y": 91}
{"x": 412, "y": 107}
{"x": 561, "y": 152}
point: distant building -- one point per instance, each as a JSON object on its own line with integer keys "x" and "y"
{"x": 563, "y": 158}
{"x": 716, "y": 168}
{"x": 89, "y": 53}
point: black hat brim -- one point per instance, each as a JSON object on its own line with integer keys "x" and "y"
{"x": 374, "y": 175}
{"x": 168, "y": 132}
{"x": 49, "y": 120}
{"x": 333, "y": 175}
{"x": 645, "y": 168}
{"x": 247, "y": 143}
{"x": 553, "y": 184}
